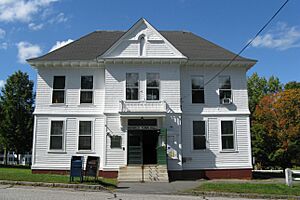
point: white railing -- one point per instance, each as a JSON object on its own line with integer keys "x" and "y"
{"x": 289, "y": 176}
{"x": 143, "y": 106}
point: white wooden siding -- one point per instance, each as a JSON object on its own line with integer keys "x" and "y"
{"x": 115, "y": 78}
{"x": 115, "y": 157}
{"x": 45, "y": 159}
{"x": 72, "y": 93}
{"x": 156, "y": 46}
{"x": 212, "y": 104}
{"x": 213, "y": 157}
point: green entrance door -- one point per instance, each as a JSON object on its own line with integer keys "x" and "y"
{"x": 135, "y": 150}
{"x": 142, "y": 147}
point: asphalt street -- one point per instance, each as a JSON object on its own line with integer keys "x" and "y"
{"x": 37, "y": 193}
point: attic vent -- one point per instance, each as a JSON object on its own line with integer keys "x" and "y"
{"x": 142, "y": 45}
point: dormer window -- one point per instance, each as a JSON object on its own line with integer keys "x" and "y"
{"x": 142, "y": 45}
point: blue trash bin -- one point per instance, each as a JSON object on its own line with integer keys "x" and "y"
{"x": 76, "y": 169}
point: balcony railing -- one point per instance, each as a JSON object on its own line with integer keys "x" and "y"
{"x": 143, "y": 106}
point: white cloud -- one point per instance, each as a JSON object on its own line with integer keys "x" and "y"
{"x": 21, "y": 10}
{"x": 4, "y": 45}
{"x": 2, "y": 83}
{"x": 27, "y": 50}
{"x": 35, "y": 27}
{"x": 60, "y": 18}
{"x": 60, "y": 44}
{"x": 282, "y": 37}
{"x": 2, "y": 33}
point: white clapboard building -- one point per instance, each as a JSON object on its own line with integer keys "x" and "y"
{"x": 131, "y": 97}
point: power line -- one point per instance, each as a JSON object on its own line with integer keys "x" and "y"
{"x": 241, "y": 51}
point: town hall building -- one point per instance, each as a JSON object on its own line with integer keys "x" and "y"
{"x": 153, "y": 105}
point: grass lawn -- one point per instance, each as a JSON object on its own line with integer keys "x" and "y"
{"x": 17, "y": 174}
{"x": 254, "y": 188}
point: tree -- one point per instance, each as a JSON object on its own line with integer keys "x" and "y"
{"x": 17, "y": 102}
{"x": 258, "y": 87}
{"x": 292, "y": 85}
{"x": 277, "y": 126}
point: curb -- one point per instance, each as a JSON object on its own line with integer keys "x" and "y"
{"x": 241, "y": 195}
{"x": 55, "y": 185}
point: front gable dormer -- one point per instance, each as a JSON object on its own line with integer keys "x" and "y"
{"x": 142, "y": 40}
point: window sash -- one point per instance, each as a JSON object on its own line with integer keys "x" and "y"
{"x": 86, "y": 96}
{"x": 85, "y": 135}
{"x": 132, "y": 86}
{"x": 56, "y": 137}
{"x": 227, "y": 136}
{"x": 87, "y": 82}
{"x": 153, "y": 86}
{"x": 57, "y": 84}
{"x": 224, "y": 82}
{"x": 199, "y": 140}
{"x": 199, "y": 135}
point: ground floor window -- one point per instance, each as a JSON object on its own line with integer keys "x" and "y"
{"x": 85, "y": 135}
{"x": 199, "y": 139}
{"x": 227, "y": 135}
{"x": 57, "y": 135}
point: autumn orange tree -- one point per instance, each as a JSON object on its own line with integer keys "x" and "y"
{"x": 276, "y": 125}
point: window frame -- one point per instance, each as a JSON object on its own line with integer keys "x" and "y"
{"x": 205, "y": 134}
{"x": 138, "y": 87}
{"x": 64, "y": 135}
{"x": 86, "y": 90}
{"x": 235, "y": 145}
{"x": 53, "y": 90}
{"x": 92, "y": 135}
{"x": 197, "y": 76}
{"x": 159, "y": 87}
{"x": 221, "y": 89}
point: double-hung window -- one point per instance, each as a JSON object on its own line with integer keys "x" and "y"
{"x": 132, "y": 86}
{"x": 57, "y": 135}
{"x": 153, "y": 86}
{"x": 58, "y": 92}
{"x": 227, "y": 135}
{"x": 198, "y": 89}
{"x": 199, "y": 139}
{"x": 85, "y": 135}
{"x": 86, "y": 93}
{"x": 225, "y": 89}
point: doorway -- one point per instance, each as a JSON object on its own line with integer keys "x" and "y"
{"x": 142, "y": 146}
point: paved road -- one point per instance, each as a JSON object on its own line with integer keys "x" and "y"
{"x": 35, "y": 193}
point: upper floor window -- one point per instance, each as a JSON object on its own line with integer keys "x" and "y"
{"x": 86, "y": 93}
{"x": 227, "y": 135}
{"x": 57, "y": 135}
{"x": 199, "y": 139}
{"x": 198, "y": 89}
{"x": 142, "y": 45}
{"x": 85, "y": 135}
{"x": 225, "y": 89}
{"x": 132, "y": 86}
{"x": 58, "y": 93}
{"x": 152, "y": 86}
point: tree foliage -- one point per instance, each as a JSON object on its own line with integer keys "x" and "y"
{"x": 292, "y": 85}
{"x": 276, "y": 129}
{"x": 17, "y": 102}
{"x": 258, "y": 87}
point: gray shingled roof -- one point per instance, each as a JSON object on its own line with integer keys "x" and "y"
{"x": 91, "y": 46}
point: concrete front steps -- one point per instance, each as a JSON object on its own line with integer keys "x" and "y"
{"x": 151, "y": 173}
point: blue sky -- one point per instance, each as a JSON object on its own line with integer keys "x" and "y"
{"x": 30, "y": 28}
